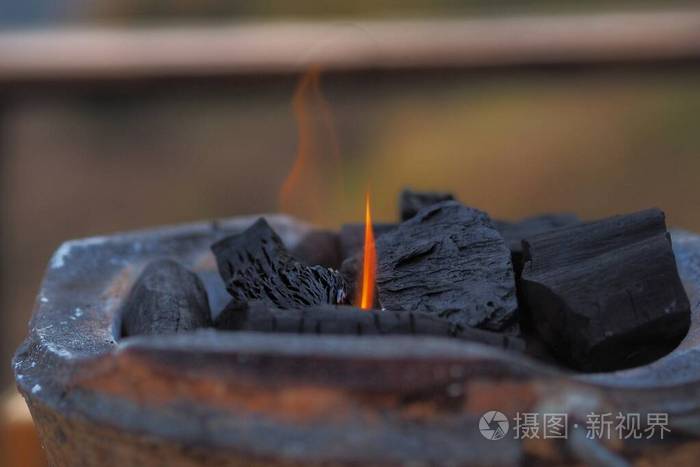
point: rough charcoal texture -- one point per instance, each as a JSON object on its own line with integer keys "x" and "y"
{"x": 514, "y": 232}
{"x": 606, "y": 295}
{"x": 449, "y": 261}
{"x": 410, "y": 202}
{"x": 352, "y": 237}
{"x": 329, "y": 319}
{"x": 166, "y": 298}
{"x": 255, "y": 265}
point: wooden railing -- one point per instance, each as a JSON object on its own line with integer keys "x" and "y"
{"x": 290, "y": 47}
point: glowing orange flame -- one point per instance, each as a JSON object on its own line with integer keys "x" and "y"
{"x": 369, "y": 263}
{"x": 315, "y": 175}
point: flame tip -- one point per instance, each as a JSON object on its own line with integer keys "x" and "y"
{"x": 369, "y": 263}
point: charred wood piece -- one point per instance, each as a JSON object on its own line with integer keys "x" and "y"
{"x": 329, "y": 319}
{"x": 166, "y": 298}
{"x": 514, "y": 232}
{"x": 410, "y": 202}
{"x": 255, "y": 265}
{"x": 449, "y": 261}
{"x": 606, "y": 295}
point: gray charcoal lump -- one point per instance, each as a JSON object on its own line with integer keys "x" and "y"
{"x": 256, "y": 265}
{"x": 448, "y": 260}
{"x": 331, "y": 320}
{"x": 606, "y": 295}
{"x": 166, "y": 298}
{"x": 410, "y": 202}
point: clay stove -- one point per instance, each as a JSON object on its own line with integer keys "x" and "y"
{"x": 204, "y": 398}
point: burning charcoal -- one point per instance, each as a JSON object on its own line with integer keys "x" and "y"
{"x": 329, "y": 319}
{"x": 606, "y": 295}
{"x": 514, "y": 232}
{"x": 255, "y": 265}
{"x": 448, "y": 260}
{"x": 319, "y": 247}
{"x": 166, "y": 298}
{"x": 411, "y": 202}
{"x": 352, "y": 237}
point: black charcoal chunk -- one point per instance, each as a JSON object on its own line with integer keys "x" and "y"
{"x": 331, "y": 320}
{"x": 606, "y": 295}
{"x": 352, "y": 237}
{"x": 255, "y": 265}
{"x": 514, "y": 232}
{"x": 166, "y": 298}
{"x": 450, "y": 261}
{"x": 410, "y": 202}
{"x": 319, "y": 247}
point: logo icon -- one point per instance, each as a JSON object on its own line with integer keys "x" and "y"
{"x": 493, "y": 425}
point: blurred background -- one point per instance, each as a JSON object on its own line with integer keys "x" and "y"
{"x": 132, "y": 114}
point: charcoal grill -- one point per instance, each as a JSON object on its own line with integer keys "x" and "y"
{"x": 208, "y": 398}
